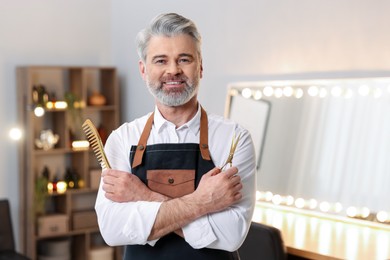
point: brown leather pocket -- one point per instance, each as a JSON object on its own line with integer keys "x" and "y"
{"x": 172, "y": 183}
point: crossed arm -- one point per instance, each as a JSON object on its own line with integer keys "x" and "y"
{"x": 215, "y": 192}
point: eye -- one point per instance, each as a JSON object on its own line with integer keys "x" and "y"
{"x": 184, "y": 60}
{"x": 160, "y": 61}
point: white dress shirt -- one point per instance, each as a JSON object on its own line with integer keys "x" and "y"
{"x": 131, "y": 222}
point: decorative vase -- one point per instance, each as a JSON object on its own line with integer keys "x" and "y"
{"x": 97, "y": 99}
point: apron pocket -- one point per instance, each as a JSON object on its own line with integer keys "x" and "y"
{"x": 172, "y": 183}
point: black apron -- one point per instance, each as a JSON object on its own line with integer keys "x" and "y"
{"x": 183, "y": 158}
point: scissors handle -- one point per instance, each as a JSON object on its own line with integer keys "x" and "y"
{"x": 233, "y": 147}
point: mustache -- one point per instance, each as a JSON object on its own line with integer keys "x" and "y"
{"x": 174, "y": 78}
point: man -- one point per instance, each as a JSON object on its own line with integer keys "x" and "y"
{"x": 166, "y": 196}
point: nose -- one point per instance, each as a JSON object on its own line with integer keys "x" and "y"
{"x": 174, "y": 68}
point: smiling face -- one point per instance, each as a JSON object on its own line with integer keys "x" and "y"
{"x": 172, "y": 70}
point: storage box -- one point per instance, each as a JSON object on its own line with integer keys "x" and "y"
{"x": 84, "y": 219}
{"x": 55, "y": 248}
{"x": 53, "y": 224}
{"x": 94, "y": 177}
{"x": 101, "y": 253}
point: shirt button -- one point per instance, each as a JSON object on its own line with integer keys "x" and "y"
{"x": 171, "y": 180}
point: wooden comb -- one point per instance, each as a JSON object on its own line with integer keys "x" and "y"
{"x": 96, "y": 143}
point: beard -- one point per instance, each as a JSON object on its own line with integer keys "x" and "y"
{"x": 173, "y": 97}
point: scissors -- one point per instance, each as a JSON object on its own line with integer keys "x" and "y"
{"x": 233, "y": 147}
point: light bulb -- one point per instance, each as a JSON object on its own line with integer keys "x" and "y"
{"x": 351, "y": 212}
{"x": 290, "y": 200}
{"x": 288, "y": 91}
{"x": 365, "y": 212}
{"x": 323, "y": 92}
{"x": 268, "y": 196}
{"x": 299, "y": 203}
{"x": 382, "y": 216}
{"x": 268, "y": 91}
{"x": 257, "y": 95}
{"x": 364, "y": 90}
{"x": 278, "y": 93}
{"x": 298, "y": 93}
{"x": 39, "y": 111}
{"x": 276, "y": 199}
{"x": 15, "y": 134}
{"x": 246, "y": 93}
{"x": 313, "y": 91}
{"x": 324, "y": 206}
{"x": 336, "y": 91}
{"x": 313, "y": 204}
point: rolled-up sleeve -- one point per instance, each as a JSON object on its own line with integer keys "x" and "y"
{"x": 227, "y": 229}
{"x": 124, "y": 223}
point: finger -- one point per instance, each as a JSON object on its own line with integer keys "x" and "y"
{"x": 215, "y": 171}
{"x": 238, "y": 196}
{"x": 107, "y": 188}
{"x": 114, "y": 173}
{"x": 238, "y": 187}
{"x": 231, "y": 171}
{"x": 235, "y": 179}
{"x": 104, "y": 172}
{"x": 108, "y": 180}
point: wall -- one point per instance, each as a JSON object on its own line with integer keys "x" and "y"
{"x": 259, "y": 39}
{"x": 48, "y": 32}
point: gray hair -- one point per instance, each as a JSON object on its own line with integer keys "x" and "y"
{"x": 168, "y": 25}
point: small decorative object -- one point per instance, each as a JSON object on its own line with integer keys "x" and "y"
{"x": 50, "y": 187}
{"x": 73, "y": 179}
{"x": 61, "y": 187}
{"x": 54, "y": 182}
{"x": 47, "y": 140}
{"x": 40, "y": 95}
{"x": 80, "y": 144}
{"x": 97, "y": 99}
{"x": 74, "y": 118}
{"x": 41, "y": 191}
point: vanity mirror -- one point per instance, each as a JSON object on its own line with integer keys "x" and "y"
{"x": 321, "y": 144}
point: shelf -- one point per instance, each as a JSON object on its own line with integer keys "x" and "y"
{"x": 55, "y": 151}
{"x": 74, "y": 208}
{"x": 70, "y": 233}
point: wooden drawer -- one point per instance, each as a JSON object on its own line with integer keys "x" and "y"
{"x": 53, "y": 224}
{"x": 84, "y": 219}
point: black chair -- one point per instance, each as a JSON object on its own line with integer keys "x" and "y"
{"x": 263, "y": 243}
{"x": 7, "y": 243}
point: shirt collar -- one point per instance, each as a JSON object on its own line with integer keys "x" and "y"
{"x": 160, "y": 122}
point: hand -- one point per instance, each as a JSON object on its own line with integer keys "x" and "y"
{"x": 218, "y": 190}
{"x": 126, "y": 187}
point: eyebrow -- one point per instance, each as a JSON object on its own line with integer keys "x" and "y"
{"x": 158, "y": 57}
{"x": 165, "y": 56}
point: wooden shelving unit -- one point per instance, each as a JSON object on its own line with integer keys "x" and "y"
{"x": 70, "y": 215}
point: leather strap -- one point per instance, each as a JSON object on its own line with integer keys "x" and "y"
{"x": 139, "y": 153}
{"x": 204, "y": 135}
{"x": 203, "y": 139}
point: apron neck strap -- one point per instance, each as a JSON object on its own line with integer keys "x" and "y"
{"x": 204, "y": 135}
{"x": 203, "y": 140}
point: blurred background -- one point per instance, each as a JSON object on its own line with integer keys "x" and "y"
{"x": 242, "y": 41}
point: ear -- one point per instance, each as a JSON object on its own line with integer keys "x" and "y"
{"x": 142, "y": 69}
{"x": 201, "y": 69}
